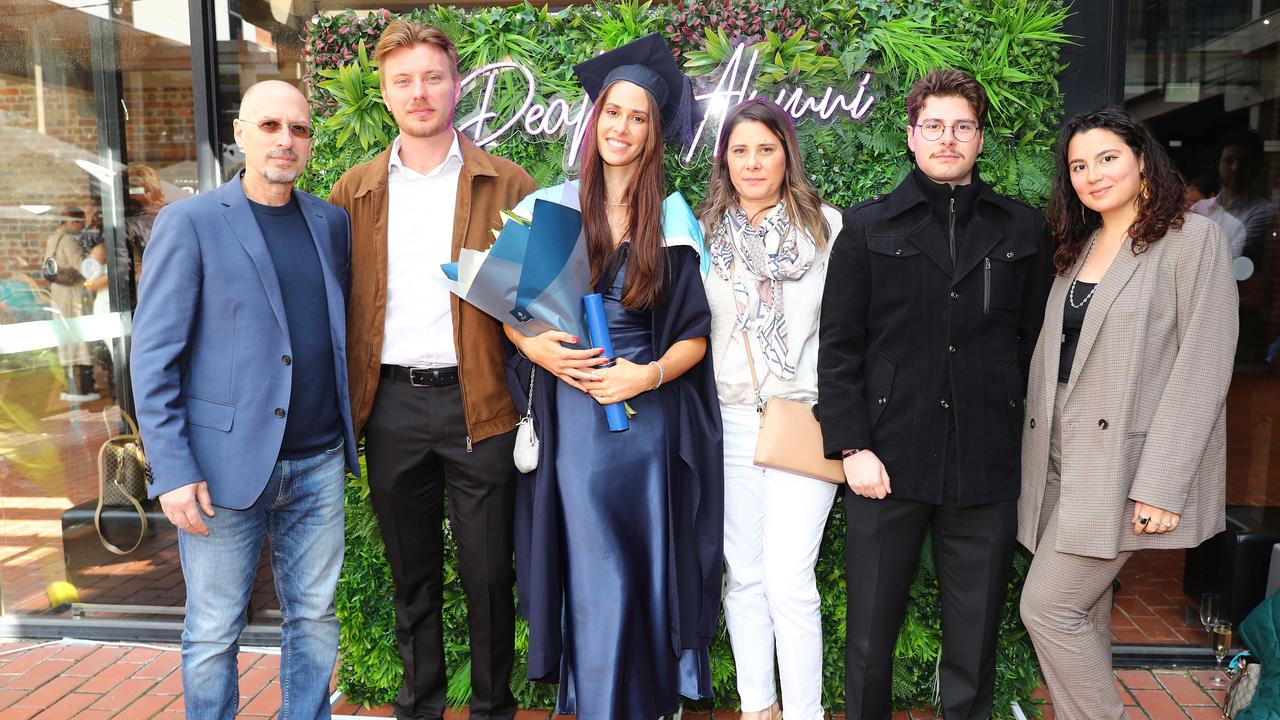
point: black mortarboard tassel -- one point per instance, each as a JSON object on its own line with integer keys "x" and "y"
{"x": 647, "y": 62}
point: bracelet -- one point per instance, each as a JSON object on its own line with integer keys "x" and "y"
{"x": 851, "y": 453}
{"x": 662, "y": 374}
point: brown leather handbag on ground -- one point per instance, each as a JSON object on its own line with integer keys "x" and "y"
{"x": 122, "y": 479}
{"x": 790, "y": 438}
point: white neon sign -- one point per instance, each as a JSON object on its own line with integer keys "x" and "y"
{"x": 560, "y": 117}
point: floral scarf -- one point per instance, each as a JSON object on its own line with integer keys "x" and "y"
{"x": 758, "y": 282}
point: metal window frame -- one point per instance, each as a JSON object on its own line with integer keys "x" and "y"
{"x": 108, "y": 100}
{"x": 204, "y": 87}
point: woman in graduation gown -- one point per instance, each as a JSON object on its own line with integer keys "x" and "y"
{"x": 619, "y": 535}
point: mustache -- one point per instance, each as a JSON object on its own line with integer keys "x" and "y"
{"x": 286, "y": 154}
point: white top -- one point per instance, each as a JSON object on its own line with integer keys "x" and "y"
{"x": 418, "y": 331}
{"x": 92, "y": 270}
{"x": 802, "y": 301}
{"x": 1231, "y": 227}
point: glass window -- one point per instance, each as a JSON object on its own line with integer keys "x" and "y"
{"x": 96, "y": 135}
{"x": 1203, "y": 74}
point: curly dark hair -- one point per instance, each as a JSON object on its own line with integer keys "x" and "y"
{"x": 1161, "y": 199}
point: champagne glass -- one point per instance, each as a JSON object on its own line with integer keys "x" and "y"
{"x": 1221, "y": 636}
{"x": 1209, "y": 609}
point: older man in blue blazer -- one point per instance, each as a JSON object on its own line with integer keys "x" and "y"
{"x": 240, "y": 381}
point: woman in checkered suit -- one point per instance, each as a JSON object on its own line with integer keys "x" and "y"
{"x": 1124, "y": 443}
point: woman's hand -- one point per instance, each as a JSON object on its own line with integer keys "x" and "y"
{"x": 622, "y": 382}
{"x": 572, "y": 366}
{"x": 1152, "y": 520}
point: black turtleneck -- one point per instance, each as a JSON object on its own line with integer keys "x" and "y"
{"x": 940, "y": 195}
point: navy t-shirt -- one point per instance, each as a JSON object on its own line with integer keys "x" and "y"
{"x": 314, "y": 423}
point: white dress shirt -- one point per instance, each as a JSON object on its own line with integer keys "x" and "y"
{"x": 418, "y": 330}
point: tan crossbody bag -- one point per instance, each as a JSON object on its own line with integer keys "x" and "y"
{"x": 790, "y": 438}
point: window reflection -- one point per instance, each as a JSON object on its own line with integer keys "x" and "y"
{"x": 96, "y": 135}
{"x": 1203, "y": 75}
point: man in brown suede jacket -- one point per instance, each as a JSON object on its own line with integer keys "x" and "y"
{"x": 428, "y": 389}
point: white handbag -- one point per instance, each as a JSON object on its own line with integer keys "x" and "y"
{"x": 526, "y": 450}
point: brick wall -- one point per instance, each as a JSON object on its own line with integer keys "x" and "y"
{"x": 39, "y": 168}
{"x": 29, "y": 174}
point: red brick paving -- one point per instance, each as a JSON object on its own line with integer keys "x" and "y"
{"x": 145, "y": 683}
{"x": 85, "y": 681}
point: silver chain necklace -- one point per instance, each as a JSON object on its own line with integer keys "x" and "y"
{"x": 1071, "y": 292}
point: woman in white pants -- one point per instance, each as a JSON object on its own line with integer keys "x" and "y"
{"x": 769, "y": 235}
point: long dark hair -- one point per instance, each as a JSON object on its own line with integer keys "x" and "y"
{"x": 646, "y": 263}
{"x": 803, "y": 203}
{"x": 1161, "y": 194}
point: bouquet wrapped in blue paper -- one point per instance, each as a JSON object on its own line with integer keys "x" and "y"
{"x": 534, "y": 275}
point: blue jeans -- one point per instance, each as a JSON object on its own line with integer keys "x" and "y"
{"x": 300, "y": 510}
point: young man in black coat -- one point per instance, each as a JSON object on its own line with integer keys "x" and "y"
{"x": 933, "y": 303}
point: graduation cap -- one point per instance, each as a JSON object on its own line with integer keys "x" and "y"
{"x": 647, "y": 62}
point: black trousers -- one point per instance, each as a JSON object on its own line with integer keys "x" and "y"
{"x": 415, "y": 447}
{"x": 973, "y": 551}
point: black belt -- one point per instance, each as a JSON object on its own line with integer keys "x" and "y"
{"x": 421, "y": 377}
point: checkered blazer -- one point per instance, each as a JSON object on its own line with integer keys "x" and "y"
{"x": 1144, "y": 416}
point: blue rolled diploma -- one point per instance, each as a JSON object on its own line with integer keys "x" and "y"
{"x": 598, "y": 328}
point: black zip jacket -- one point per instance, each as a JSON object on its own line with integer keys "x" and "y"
{"x": 909, "y": 336}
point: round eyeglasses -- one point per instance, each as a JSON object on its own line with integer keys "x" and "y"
{"x": 963, "y": 131}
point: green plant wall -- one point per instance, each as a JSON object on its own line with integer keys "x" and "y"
{"x": 1011, "y": 46}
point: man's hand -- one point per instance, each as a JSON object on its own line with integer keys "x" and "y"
{"x": 180, "y": 506}
{"x": 866, "y": 475}
{"x": 570, "y": 365}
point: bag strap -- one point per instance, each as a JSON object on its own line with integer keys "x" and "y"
{"x": 128, "y": 420}
{"x": 1234, "y": 703}
{"x": 97, "y": 512}
{"x": 751, "y": 365}
{"x": 528, "y": 408}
